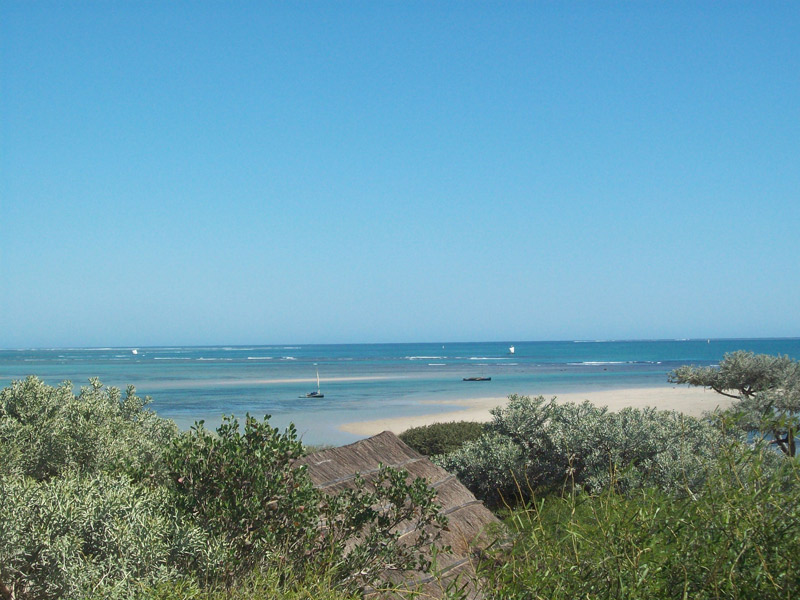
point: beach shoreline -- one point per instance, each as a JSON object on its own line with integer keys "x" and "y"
{"x": 690, "y": 401}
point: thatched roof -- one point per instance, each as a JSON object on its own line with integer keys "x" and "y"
{"x": 335, "y": 469}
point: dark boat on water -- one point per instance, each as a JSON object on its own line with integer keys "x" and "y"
{"x": 477, "y": 379}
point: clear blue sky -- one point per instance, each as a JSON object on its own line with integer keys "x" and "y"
{"x": 252, "y": 172}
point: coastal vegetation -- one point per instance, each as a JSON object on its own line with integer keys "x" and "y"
{"x": 442, "y": 438}
{"x": 766, "y": 389}
{"x": 735, "y": 537}
{"x": 101, "y": 498}
{"x": 533, "y": 446}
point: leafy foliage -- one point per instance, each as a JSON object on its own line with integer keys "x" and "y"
{"x": 243, "y": 487}
{"x": 536, "y": 444}
{"x": 46, "y": 431}
{"x": 743, "y": 373}
{"x": 651, "y": 504}
{"x": 441, "y": 438}
{"x": 93, "y": 535}
{"x": 736, "y": 537}
{"x": 767, "y": 390}
{"x": 99, "y": 497}
{"x": 491, "y": 467}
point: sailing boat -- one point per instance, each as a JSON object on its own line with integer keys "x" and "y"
{"x": 316, "y": 394}
{"x": 511, "y": 349}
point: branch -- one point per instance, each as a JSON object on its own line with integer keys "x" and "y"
{"x": 5, "y": 593}
{"x": 781, "y": 443}
{"x": 719, "y": 391}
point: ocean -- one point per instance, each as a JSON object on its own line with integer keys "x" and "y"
{"x": 365, "y": 381}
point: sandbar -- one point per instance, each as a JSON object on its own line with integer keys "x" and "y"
{"x": 690, "y": 401}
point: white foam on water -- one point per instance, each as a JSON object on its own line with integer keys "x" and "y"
{"x": 596, "y": 363}
{"x": 616, "y": 362}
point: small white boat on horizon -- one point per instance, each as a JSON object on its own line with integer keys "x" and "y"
{"x": 511, "y": 349}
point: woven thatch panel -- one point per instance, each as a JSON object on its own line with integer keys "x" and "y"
{"x": 335, "y": 469}
{"x": 332, "y": 466}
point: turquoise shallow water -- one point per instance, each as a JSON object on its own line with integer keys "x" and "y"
{"x": 365, "y": 381}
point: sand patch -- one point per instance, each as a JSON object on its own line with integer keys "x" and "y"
{"x": 690, "y": 401}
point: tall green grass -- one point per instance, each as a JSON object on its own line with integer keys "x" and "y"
{"x": 736, "y": 538}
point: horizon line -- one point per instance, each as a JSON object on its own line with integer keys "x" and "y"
{"x": 299, "y": 345}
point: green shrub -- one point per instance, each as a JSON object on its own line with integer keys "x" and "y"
{"x": 534, "y": 444}
{"x": 100, "y": 498}
{"x": 46, "y": 431}
{"x": 736, "y": 537}
{"x": 492, "y": 467}
{"x": 242, "y": 487}
{"x": 93, "y": 536}
{"x": 441, "y": 438}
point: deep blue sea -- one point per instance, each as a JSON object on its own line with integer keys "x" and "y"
{"x": 365, "y": 381}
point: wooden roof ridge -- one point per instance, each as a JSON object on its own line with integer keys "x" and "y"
{"x": 336, "y": 469}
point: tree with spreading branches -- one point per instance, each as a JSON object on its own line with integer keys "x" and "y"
{"x": 766, "y": 389}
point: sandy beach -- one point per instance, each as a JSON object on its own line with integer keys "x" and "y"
{"x": 691, "y": 401}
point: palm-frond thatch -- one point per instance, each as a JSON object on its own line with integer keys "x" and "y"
{"x": 335, "y": 469}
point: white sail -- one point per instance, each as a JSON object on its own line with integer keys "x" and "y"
{"x": 511, "y": 349}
